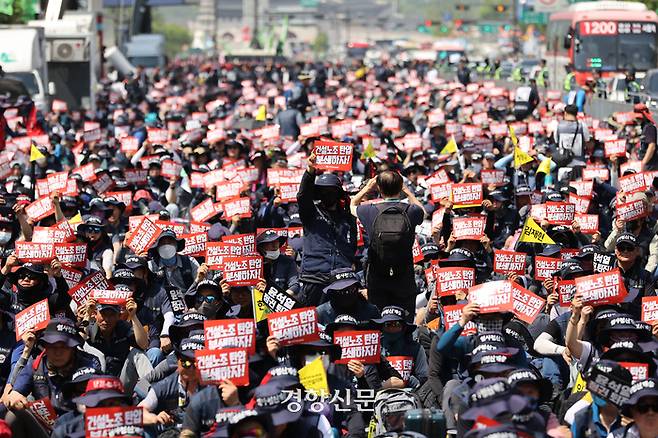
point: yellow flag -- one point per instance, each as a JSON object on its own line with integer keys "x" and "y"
{"x": 512, "y": 136}
{"x": 369, "y": 151}
{"x": 35, "y": 153}
{"x": 314, "y": 378}
{"x": 450, "y": 147}
{"x": 520, "y": 157}
{"x": 260, "y": 308}
{"x": 76, "y": 219}
{"x": 533, "y": 233}
{"x": 579, "y": 385}
{"x": 545, "y": 166}
{"x": 261, "y": 116}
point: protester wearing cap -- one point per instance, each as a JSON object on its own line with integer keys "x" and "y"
{"x": 637, "y": 280}
{"x": 279, "y": 269}
{"x": 101, "y": 391}
{"x": 45, "y": 376}
{"x": 99, "y": 245}
{"x": 397, "y": 340}
{"x": 123, "y": 342}
{"x": 167, "y": 399}
{"x": 647, "y": 152}
{"x": 642, "y": 407}
{"x": 390, "y": 273}
{"x": 502, "y": 217}
{"x": 329, "y": 231}
{"x": 343, "y": 296}
{"x": 177, "y": 269}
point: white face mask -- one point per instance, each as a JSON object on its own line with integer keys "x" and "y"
{"x": 5, "y": 236}
{"x": 272, "y": 255}
{"x": 167, "y": 251}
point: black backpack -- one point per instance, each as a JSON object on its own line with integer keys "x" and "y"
{"x": 392, "y": 240}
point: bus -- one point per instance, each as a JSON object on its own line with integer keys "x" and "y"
{"x": 609, "y": 36}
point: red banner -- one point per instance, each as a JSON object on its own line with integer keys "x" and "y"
{"x": 111, "y": 296}
{"x": 581, "y": 203}
{"x": 440, "y": 190}
{"x": 288, "y": 192}
{"x": 204, "y": 210}
{"x": 129, "y": 145}
{"x": 616, "y": 148}
{"x": 650, "y": 310}
{"x": 103, "y": 183}
{"x": 416, "y": 251}
{"x": 72, "y": 254}
{"x": 639, "y": 371}
{"x": 243, "y": 270}
{"x": 605, "y": 288}
{"x": 583, "y": 188}
{"x": 247, "y": 242}
{"x": 157, "y": 135}
{"x": 545, "y": 267}
{"x": 601, "y": 173}
{"x": 237, "y": 207}
{"x": 143, "y": 236}
{"x": 230, "y": 333}
{"x": 508, "y": 262}
{"x": 469, "y": 228}
{"x": 136, "y": 176}
{"x": 215, "y": 366}
{"x": 565, "y": 290}
{"x": 451, "y": 280}
{"x": 35, "y": 318}
{"x": 492, "y": 297}
{"x": 51, "y": 235}
{"x": 589, "y": 223}
{"x": 527, "y": 305}
{"x": 332, "y": 155}
{"x": 40, "y": 208}
{"x": 176, "y": 227}
{"x": 170, "y": 169}
{"x": 80, "y": 292}
{"x": 34, "y": 252}
{"x": 467, "y": 194}
{"x": 493, "y": 177}
{"x": 361, "y": 345}
{"x": 295, "y": 326}
{"x": 629, "y": 211}
{"x": 114, "y": 421}
{"x": 43, "y": 410}
{"x": 404, "y": 365}
{"x": 227, "y": 190}
{"x": 195, "y": 244}
{"x": 216, "y": 252}
{"x": 632, "y": 183}
{"x": 560, "y": 213}
{"x": 452, "y": 314}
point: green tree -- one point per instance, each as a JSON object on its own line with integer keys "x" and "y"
{"x": 176, "y": 36}
{"x": 321, "y": 43}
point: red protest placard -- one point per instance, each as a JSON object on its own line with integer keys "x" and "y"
{"x": 35, "y": 318}
{"x": 230, "y": 333}
{"x": 125, "y": 196}
{"x": 605, "y": 288}
{"x": 43, "y": 410}
{"x": 492, "y": 297}
{"x": 72, "y": 276}
{"x": 246, "y": 242}
{"x": 204, "y": 210}
{"x": 171, "y": 169}
{"x": 545, "y": 267}
{"x": 129, "y": 145}
{"x": 361, "y": 345}
{"x": 452, "y": 280}
{"x": 583, "y": 188}
{"x": 560, "y": 213}
{"x": 243, "y": 270}
{"x": 295, "y": 326}
{"x": 49, "y": 235}
{"x": 136, "y": 176}
{"x": 72, "y": 254}
{"x": 34, "y": 252}
{"x": 143, "y": 236}
{"x": 416, "y": 251}
{"x": 492, "y": 177}
{"x": 452, "y": 314}
{"x": 509, "y": 262}
{"x": 135, "y": 221}
{"x": 565, "y": 290}
{"x": 616, "y": 148}
{"x": 632, "y": 183}
{"x": 92, "y": 135}
{"x": 157, "y": 135}
{"x": 195, "y": 244}
{"x": 176, "y": 227}
{"x": 111, "y": 296}
{"x": 650, "y": 310}
{"x": 467, "y": 194}
{"x": 331, "y": 155}
{"x": 240, "y": 207}
{"x": 589, "y": 223}
{"x": 227, "y": 190}
{"x": 527, "y": 305}
{"x": 581, "y": 203}
{"x": 639, "y": 371}
{"x": 403, "y": 365}
{"x": 40, "y": 208}
{"x": 632, "y": 210}
{"x": 216, "y": 366}
{"x": 288, "y": 192}
{"x": 216, "y": 252}
{"x": 601, "y": 173}
{"x": 103, "y": 183}
{"x": 57, "y": 181}
{"x": 439, "y": 190}
{"x": 114, "y": 421}
{"x": 81, "y": 291}
{"x": 469, "y": 228}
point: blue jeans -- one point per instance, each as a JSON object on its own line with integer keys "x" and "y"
{"x": 155, "y": 356}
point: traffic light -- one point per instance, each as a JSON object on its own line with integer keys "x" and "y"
{"x": 500, "y": 8}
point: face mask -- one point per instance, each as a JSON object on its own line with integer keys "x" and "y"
{"x": 167, "y": 252}
{"x": 329, "y": 199}
{"x": 5, "y": 236}
{"x": 209, "y": 310}
{"x": 272, "y": 255}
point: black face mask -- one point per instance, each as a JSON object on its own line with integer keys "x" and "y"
{"x": 329, "y": 199}
{"x": 209, "y": 310}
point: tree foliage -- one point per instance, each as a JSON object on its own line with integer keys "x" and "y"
{"x": 176, "y": 36}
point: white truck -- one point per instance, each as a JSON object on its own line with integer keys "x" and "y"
{"x": 146, "y": 50}
{"x": 22, "y": 56}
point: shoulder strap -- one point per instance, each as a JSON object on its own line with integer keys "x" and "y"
{"x": 187, "y": 269}
{"x": 573, "y": 140}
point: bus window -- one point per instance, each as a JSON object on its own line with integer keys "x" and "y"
{"x": 594, "y": 51}
{"x": 637, "y": 51}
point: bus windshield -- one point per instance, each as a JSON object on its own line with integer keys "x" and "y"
{"x": 615, "y": 46}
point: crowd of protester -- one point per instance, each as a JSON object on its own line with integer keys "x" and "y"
{"x": 298, "y": 250}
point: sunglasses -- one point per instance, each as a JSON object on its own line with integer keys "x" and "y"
{"x": 393, "y": 324}
{"x": 208, "y": 299}
{"x": 643, "y": 408}
{"x": 94, "y": 229}
{"x": 27, "y": 276}
{"x": 625, "y": 248}
{"x": 186, "y": 363}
